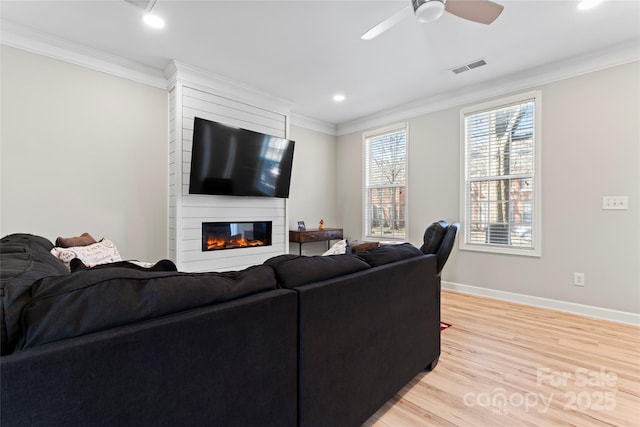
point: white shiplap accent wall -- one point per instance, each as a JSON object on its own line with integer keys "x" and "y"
{"x": 192, "y": 94}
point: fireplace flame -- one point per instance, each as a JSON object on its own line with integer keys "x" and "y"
{"x": 214, "y": 243}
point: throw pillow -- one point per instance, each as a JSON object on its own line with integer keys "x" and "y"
{"x": 85, "y": 239}
{"x": 337, "y": 249}
{"x": 101, "y": 252}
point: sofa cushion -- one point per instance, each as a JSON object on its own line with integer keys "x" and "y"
{"x": 24, "y": 259}
{"x": 293, "y": 270}
{"x": 97, "y": 299}
{"x": 389, "y": 253}
{"x": 162, "y": 265}
{"x": 277, "y": 260}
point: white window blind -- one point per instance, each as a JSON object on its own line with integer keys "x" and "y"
{"x": 501, "y": 207}
{"x": 385, "y": 180}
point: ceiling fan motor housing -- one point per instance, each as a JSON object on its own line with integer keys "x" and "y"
{"x": 428, "y": 10}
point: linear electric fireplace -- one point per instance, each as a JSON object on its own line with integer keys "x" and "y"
{"x": 231, "y": 235}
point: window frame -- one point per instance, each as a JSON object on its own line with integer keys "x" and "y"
{"x": 536, "y": 235}
{"x": 403, "y": 126}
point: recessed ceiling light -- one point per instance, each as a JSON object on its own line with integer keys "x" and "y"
{"x": 338, "y": 97}
{"x": 154, "y": 21}
{"x": 588, "y": 4}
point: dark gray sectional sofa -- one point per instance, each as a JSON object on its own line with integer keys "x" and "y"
{"x": 297, "y": 341}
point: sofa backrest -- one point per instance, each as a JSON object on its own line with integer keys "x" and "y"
{"x": 24, "y": 259}
{"x": 99, "y": 299}
{"x": 293, "y": 271}
{"x": 387, "y": 254}
{"x": 433, "y": 236}
{"x": 43, "y": 302}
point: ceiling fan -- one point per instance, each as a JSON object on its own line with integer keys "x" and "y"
{"x": 482, "y": 11}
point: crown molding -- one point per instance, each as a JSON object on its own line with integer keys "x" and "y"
{"x": 34, "y": 41}
{"x": 313, "y": 124}
{"x": 25, "y": 38}
{"x": 571, "y": 67}
{"x": 28, "y": 39}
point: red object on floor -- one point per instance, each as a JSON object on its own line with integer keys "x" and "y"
{"x": 444, "y": 326}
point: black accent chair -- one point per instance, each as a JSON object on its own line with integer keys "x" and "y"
{"x": 438, "y": 239}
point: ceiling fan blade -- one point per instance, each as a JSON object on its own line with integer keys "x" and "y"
{"x": 482, "y": 11}
{"x": 387, "y": 23}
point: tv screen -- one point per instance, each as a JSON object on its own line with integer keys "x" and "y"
{"x": 227, "y": 160}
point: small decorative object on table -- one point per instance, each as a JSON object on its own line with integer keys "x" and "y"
{"x": 301, "y": 226}
{"x": 321, "y": 225}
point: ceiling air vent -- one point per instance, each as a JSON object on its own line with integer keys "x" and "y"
{"x": 467, "y": 67}
{"x": 143, "y": 4}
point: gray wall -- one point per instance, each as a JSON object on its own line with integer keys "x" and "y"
{"x": 86, "y": 151}
{"x": 590, "y": 148}
{"x": 313, "y": 184}
{"x": 82, "y": 151}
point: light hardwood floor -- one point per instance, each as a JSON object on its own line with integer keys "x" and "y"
{"x": 505, "y": 364}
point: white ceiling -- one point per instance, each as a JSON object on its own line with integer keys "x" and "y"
{"x": 306, "y": 51}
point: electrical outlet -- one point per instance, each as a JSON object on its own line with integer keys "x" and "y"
{"x": 304, "y": 252}
{"x": 615, "y": 202}
{"x": 578, "y": 279}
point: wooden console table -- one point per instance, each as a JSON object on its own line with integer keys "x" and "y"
{"x": 307, "y": 236}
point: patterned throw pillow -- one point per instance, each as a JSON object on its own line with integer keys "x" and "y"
{"x": 101, "y": 252}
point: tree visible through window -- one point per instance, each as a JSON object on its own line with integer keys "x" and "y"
{"x": 385, "y": 183}
{"x": 500, "y": 176}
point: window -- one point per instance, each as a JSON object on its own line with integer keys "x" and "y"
{"x": 501, "y": 184}
{"x": 385, "y": 183}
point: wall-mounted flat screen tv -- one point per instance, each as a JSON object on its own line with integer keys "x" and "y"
{"x": 231, "y": 161}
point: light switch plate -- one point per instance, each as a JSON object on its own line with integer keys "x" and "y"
{"x": 615, "y": 202}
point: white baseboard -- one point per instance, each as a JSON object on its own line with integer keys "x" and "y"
{"x": 569, "y": 307}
